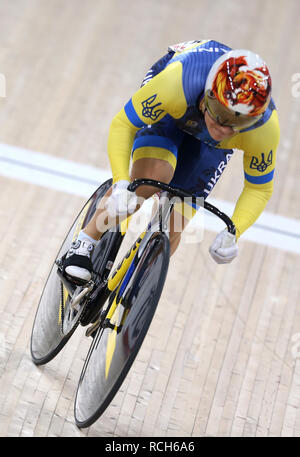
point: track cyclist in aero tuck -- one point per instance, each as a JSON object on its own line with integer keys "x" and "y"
{"x": 196, "y": 105}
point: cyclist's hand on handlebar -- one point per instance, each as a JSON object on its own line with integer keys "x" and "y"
{"x": 121, "y": 201}
{"x": 224, "y": 248}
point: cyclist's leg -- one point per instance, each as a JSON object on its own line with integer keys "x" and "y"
{"x": 159, "y": 170}
{"x": 154, "y": 156}
{"x": 153, "y": 168}
{"x": 96, "y": 226}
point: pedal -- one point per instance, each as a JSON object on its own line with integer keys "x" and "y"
{"x": 59, "y": 262}
{"x": 77, "y": 298}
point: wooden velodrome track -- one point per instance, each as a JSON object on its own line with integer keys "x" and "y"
{"x": 222, "y": 356}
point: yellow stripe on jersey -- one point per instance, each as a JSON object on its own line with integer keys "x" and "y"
{"x": 152, "y": 152}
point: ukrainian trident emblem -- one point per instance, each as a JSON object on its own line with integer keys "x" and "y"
{"x": 263, "y": 164}
{"x": 150, "y": 110}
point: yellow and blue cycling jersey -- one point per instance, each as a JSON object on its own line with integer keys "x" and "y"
{"x": 163, "y": 120}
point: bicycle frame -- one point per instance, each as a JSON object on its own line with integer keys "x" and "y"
{"x": 120, "y": 277}
{"x": 123, "y": 271}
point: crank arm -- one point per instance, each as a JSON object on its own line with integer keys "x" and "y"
{"x": 83, "y": 293}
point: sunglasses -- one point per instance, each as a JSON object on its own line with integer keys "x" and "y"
{"x": 225, "y": 117}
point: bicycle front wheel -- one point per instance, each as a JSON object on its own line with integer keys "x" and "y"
{"x": 113, "y": 350}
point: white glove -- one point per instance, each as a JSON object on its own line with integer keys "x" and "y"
{"x": 121, "y": 201}
{"x": 224, "y": 248}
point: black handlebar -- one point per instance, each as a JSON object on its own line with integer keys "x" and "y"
{"x": 183, "y": 194}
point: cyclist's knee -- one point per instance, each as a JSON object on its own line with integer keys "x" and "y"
{"x": 157, "y": 169}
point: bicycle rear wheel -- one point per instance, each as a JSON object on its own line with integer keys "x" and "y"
{"x": 113, "y": 350}
{"x": 55, "y": 321}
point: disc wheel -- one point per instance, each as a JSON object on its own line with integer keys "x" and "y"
{"x": 114, "y": 349}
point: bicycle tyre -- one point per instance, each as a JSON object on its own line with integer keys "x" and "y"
{"x": 97, "y": 388}
{"x": 48, "y": 336}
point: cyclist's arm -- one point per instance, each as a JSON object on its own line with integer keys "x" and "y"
{"x": 250, "y": 205}
{"x": 160, "y": 96}
{"x": 258, "y": 184}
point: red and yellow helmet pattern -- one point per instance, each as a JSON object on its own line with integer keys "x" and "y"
{"x": 240, "y": 81}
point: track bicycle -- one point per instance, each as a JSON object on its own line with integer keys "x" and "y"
{"x": 117, "y": 304}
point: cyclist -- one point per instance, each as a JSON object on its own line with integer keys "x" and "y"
{"x": 198, "y": 104}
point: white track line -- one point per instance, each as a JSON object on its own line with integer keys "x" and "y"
{"x": 81, "y": 180}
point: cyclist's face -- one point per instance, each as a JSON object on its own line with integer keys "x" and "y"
{"x": 217, "y": 132}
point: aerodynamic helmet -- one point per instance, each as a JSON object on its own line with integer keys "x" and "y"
{"x": 238, "y": 89}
